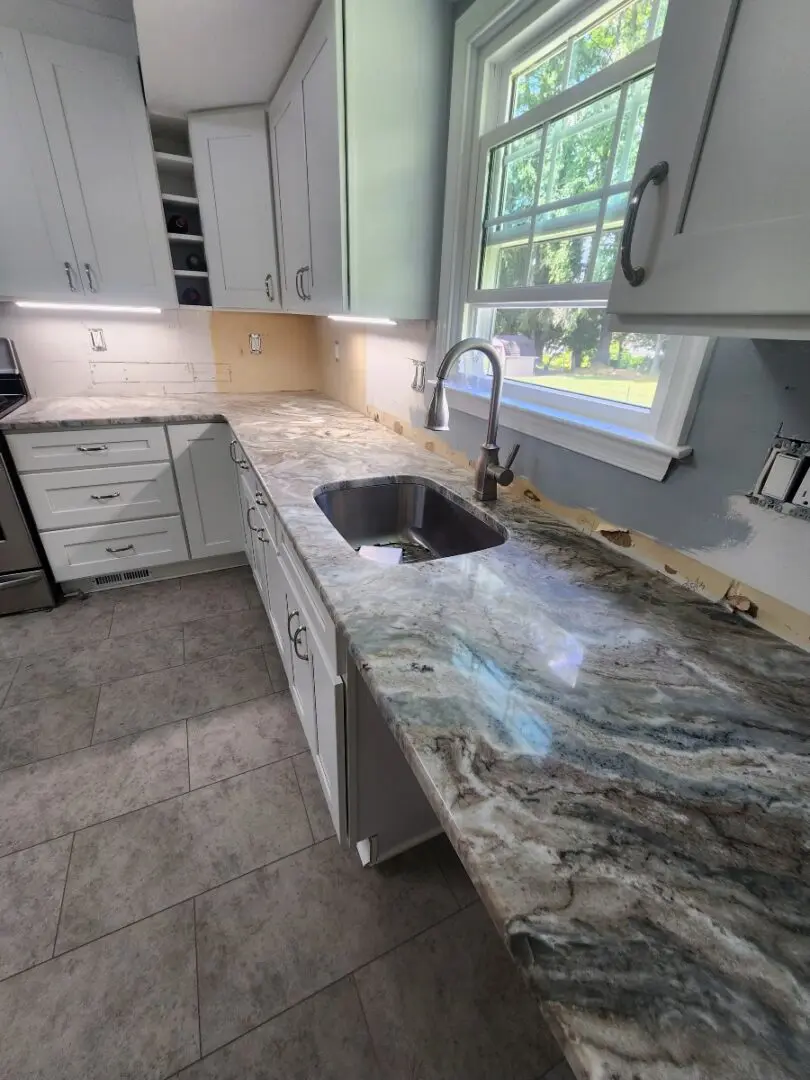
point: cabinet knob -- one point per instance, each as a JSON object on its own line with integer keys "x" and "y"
{"x": 656, "y": 175}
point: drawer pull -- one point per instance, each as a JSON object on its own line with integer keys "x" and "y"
{"x": 290, "y": 617}
{"x": 112, "y": 495}
{"x": 301, "y": 630}
{"x": 251, "y": 526}
{"x": 91, "y": 449}
{"x": 117, "y": 551}
{"x": 263, "y": 536}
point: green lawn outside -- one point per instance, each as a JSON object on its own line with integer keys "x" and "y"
{"x": 630, "y": 391}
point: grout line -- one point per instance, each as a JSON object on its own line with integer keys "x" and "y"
{"x": 301, "y": 793}
{"x": 197, "y": 974}
{"x": 158, "y": 802}
{"x": 62, "y": 901}
{"x": 19, "y": 660}
{"x": 364, "y": 1014}
{"x": 92, "y": 733}
{"x": 188, "y": 756}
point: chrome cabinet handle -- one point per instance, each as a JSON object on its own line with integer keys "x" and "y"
{"x": 112, "y": 495}
{"x": 260, "y": 498}
{"x": 298, "y": 274}
{"x": 656, "y": 175}
{"x": 69, "y": 272}
{"x": 290, "y": 617}
{"x": 298, "y": 632}
{"x": 263, "y": 536}
{"x": 92, "y": 449}
{"x": 252, "y": 528}
{"x": 116, "y": 551}
{"x": 305, "y": 295}
{"x": 243, "y": 465}
{"x": 232, "y": 451}
{"x": 268, "y": 288}
{"x": 88, "y": 269}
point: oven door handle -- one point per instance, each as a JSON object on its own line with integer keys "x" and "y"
{"x": 21, "y": 579}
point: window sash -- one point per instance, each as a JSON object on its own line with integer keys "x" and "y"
{"x": 618, "y": 75}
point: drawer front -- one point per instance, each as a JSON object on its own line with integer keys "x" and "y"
{"x": 74, "y": 497}
{"x": 105, "y": 549}
{"x": 82, "y": 448}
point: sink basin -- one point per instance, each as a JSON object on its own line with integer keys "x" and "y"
{"x": 415, "y": 515}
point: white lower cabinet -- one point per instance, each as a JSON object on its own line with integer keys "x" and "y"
{"x": 209, "y": 498}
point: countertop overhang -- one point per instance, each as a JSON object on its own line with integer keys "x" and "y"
{"x": 623, "y": 767}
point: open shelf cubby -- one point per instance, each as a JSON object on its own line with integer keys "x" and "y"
{"x": 181, "y": 208}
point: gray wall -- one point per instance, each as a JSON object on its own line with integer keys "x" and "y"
{"x": 751, "y": 387}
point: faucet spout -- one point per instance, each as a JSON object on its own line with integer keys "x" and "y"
{"x": 489, "y": 472}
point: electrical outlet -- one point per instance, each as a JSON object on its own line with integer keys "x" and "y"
{"x": 337, "y": 351}
{"x": 802, "y": 496}
{"x": 781, "y": 475}
{"x": 256, "y": 344}
{"x": 97, "y": 342}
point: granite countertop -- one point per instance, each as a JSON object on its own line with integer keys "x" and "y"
{"x": 622, "y": 766}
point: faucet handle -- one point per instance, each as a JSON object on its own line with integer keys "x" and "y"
{"x": 505, "y": 475}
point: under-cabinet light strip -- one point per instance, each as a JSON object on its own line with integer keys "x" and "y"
{"x": 361, "y": 319}
{"x": 123, "y": 309}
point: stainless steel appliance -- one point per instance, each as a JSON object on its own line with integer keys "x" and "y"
{"x": 24, "y": 582}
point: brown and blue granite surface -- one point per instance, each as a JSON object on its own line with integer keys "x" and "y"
{"x": 623, "y": 767}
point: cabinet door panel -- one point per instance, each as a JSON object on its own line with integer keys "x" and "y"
{"x": 330, "y": 761}
{"x": 292, "y": 205}
{"x": 208, "y": 494}
{"x": 729, "y": 230}
{"x": 276, "y": 591}
{"x": 99, "y": 137}
{"x": 322, "y": 127}
{"x": 251, "y": 526}
{"x": 301, "y": 686}
{"x": 35, "y": 242}
{"x": 232, "y": 170}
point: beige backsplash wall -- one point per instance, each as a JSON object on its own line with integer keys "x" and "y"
{"x": 178, "y": 352}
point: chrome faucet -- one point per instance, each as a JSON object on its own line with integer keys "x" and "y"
{"x": 488, "y": 472}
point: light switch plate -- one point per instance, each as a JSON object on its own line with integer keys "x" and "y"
{"x": 97, "y": 342}
{"x": 781, "y": 474}
{"x": 256, "y": 344}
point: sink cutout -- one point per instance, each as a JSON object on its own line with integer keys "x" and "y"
{"x": 417, "y": 516}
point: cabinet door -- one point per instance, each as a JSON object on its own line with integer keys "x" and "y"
{"x": 98, "y": 132}
{"x": 37, "y": 260}
{"x": 232, "y": 169}
{"x": 322, "y": 128}
{"x": 209, "y": 497}
{"x": 330, "y": 760}
{"x": 276, "y": 596}
{"x": 300, "y": 677}
{"x": 728, "y": 231}
{"x": 252, "y": 532}
{"x": 292, "y": 203}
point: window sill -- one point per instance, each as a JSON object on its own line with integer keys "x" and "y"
{"x": 616, "y": 445}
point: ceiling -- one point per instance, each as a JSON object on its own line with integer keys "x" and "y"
{"x": 209, "y": 54}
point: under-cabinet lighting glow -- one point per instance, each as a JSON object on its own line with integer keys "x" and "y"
{"x": 361, "y": 319}
{"x": 121, "y": 309}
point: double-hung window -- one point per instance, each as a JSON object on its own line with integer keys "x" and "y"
{"x": 548, "y": 109}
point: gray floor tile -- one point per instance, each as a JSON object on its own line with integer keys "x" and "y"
{"x": 324, "y": 1038}
{"x": 450, "y": 1005}
{"x": 178, "y": 693}
{"x": 269, "y": 939}
{"x": 41, "y": 729}
{"x": 49, "y": 798}
{"x": 243, "y": 737}
{"x": 124, "y": 1007}
{"x": 234, "y": 631}
{"x": 8, "y": 669}
{"x": 275, "y": 667}
{"x": 182, "y": 600}
{"x": 125, "y": 869}
{"x": 78, "y": 665}
{"x": 453, "y": 869}
{"x": 31, "y": 886}
{"x": 85, "y": 618}
{"x": 320, "y": 820}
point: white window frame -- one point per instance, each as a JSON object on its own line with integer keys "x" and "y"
{"x": 492, "y": 37}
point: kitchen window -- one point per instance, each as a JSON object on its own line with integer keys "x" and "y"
{"x": 548, "y": 107}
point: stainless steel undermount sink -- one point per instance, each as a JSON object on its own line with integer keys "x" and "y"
{"x": 409, "y": 513}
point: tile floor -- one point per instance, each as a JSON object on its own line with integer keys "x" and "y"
{"x": 173, "y": 902}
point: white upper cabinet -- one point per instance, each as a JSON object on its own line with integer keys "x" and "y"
{"x": 724, "y": 239}
{"x": 232, "y": 169}
{"x": 359, "y": 140}
{"x": 292, "y": 199}
{"x": 98, "y": 132}
{"x": 36, "y": 251}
